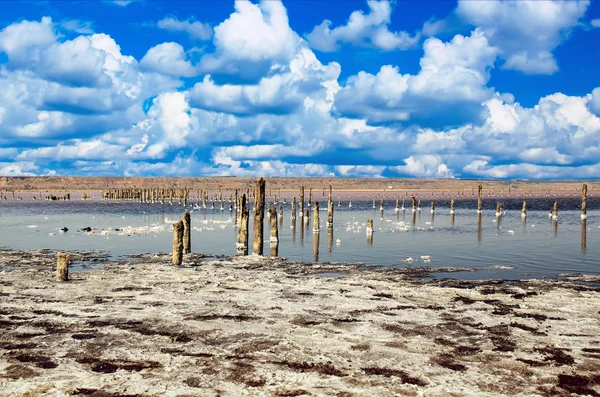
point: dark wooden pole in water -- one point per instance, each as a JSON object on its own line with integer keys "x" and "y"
{"x": 452, "y": 207}
{"x": 584, "y": 201}
{"x": 524, "y": 210}
{"x": 187, "y": 233}
{"x": 259, "y": 215}
{"x": 309, "y": 196}
{"x": 330, "y": 210}
{"x": 555, "y": 211}
{"x": 178, "y": 243}
{"x": 62, "y": 266}
{"x": 242, "y": 238}
{"x": 432, "y": 207}
{"x": 316, "y": 227}
{"x": 479, "y": 199}
{"x": 301, "y": 201}
{"x": 293, "y": 211}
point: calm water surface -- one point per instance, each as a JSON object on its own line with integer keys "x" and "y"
{"x": 502, "y": 248}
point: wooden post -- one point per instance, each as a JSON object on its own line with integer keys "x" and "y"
{"x": 414, "y": 203}
{"x": 498, "y": 209}
{"x": 259, "y": 215}
{"x": 555, "y": 211}
{"x": 242, "y": 238}
{"x": 432, "y": 207}
{"x": 480, "y": 199}
{"x": 330, "y": 213}
{"x": 273, "y": 223}
{"x": 62, "y": 266}
{"x": 187, "y": 233}
{"x": 330, "y": 239}
{"x": 419, "y": 205}
{"x": 280, "y": 215}
{"x": 293, "y": 211}
{"x": 316, "y": 227}
{"x": 452, "y": 207}
{"x": 301, "y": 201}
{"x": 584, "y": 201}
{"x": 309, "y": 196}
{"x": 397, "y": 205}
{"x": 369, "y": 231}
{"x": 178, "y": 243}
{"x": 524, "y": 210}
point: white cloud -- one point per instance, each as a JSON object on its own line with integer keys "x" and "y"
{"x": 195, "y": 29}
{"x": 594, "y": 102}
{"x": 452, "y": 74}
{"x": 252, "y": 40}
{"x": 526, "y": 32}
{"x": 595, "y": 23}
{"x": 425, "y": 165}
{"x": 77, "y": 26}
{"x": 169, "y": 59}
{"x": 365, "y": 30}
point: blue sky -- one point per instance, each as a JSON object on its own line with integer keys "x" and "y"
{"x": 467, "y": 89}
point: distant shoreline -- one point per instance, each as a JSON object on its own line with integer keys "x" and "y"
{"x": 287, "y": 184}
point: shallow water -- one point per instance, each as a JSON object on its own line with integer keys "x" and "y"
{"x": 502, "y": 248}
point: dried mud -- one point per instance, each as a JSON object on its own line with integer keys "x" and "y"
{"x": 265, "y": 327}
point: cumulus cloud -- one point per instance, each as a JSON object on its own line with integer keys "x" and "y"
{"x": 364, "y": 30}
{"x": 265, "y": 104}
{"x": 195, "y": 29}
{"x": 254, "y": 39}
{"x": 595, "y": 23}
{"x": 169, "y": 59}
{"x": 526, "y": 32}
{"x": 451, "y": 83}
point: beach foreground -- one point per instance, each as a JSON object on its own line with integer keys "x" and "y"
{"x": 260, "y": 326}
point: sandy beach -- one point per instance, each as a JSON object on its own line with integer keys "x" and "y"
{"x": 264, "y": 327}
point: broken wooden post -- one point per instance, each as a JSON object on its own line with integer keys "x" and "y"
{"x": 187, "y": 233}
{"x": 306, "y": 216}
{"x": 498, "y": 209}
{"x": 178, "y": 243}
{"x": 419, "y": 205}
{"x": 274, "y": 239}
{"x": 316, "y": 220}
{"x": 280, "y": 214}
{"x": 479, "y": 199}
{"x": 414, "y": 203}
{"x": 242, "y": 238}
{"x": 301, "y": 201}
{"x": 432, "y": 207}
{"x": 369, "y": 231}
{"x": 259, "y": 215}
{"x": 293, "y": 211}
{"x": 584, "y": 201}
{"x": 330, "y": 213}
{"x": 555, "y": 211}
{"x": 452, "y": 207}
{"x": 524, "y": 210}
{"x": 62, "y": 266}
{"x": 397, "y": 206}
{"x": 309, "y": 196}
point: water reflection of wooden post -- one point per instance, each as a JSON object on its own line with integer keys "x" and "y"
{"x": 555, "y": 228}
{"x": 370, "y": 231}
{"x": 294, "y": 230}
{"x": 187, "y": 233}
{"x": 584, "y": 201}
{"x": 479, "y": 227}
{"x": 583, "y": 236}
{"x": 274, "y": 240}
{"x": 178, "y": 243}
{"x": 62, "y": 266}
{"x": 419, "y": 205}
{"x": 316, "y": 237}
{"x": 479, "y": 199}
{"x": 330, "y": 239}
{"x": 524, "y": 210}
{"x": 414, "y": 218}
{"x": 301, "y": 233}
{"x": 259, "y": 215}
{"x": 316, "y": 219}
{"x": 242, "y": 239}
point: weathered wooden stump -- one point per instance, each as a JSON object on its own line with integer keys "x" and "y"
{"x": 524, "y": 210}
{"x": 555, "y": 211}
{"x": 274, "y": 239}
{"x": 187, "y": 233}
{"x": 301, "y": 203}
{"x": 452, "y": 207}
{"x": 293, "y": 210}
{"x": 178, "y": 243}
{"x": 259, "y": 215}
{"x": 584, "y": 190}
{"x": 316, "y": 219}
{"x": 479, "y": 199}
{"x": 432, "y": 207}
{"x": 242, "y": 237}
{"x": 62, "y": 266}
{"x": 330, "y": 213}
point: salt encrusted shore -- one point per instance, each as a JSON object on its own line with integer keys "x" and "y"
{"x": 253, "y": 326}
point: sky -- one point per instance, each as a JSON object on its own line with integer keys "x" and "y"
{"x": 437, "y": 88}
